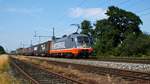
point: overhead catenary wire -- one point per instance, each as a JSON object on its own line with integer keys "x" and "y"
{"x": 144, "y": 10}
{"x": 145, "y": 14}
{"x": 140, "y": 11}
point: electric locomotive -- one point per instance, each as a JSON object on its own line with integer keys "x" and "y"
{"x": 74, "y": 45}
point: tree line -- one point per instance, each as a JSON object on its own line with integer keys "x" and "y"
{"x": 118, "y": 35}
{"x": 2, "y": 51}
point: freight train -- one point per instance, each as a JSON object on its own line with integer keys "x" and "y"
{"x": 73, "y": 45}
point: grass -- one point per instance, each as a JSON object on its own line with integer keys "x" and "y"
{"x": 4, "y": 66}
{"x": 87, "y": 78}
{"x": 5, "y": 77}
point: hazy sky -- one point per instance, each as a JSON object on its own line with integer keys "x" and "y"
{"x": 19, "y": 19}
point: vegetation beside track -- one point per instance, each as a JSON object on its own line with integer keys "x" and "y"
{"x": 5, "y": 76}
{"x": 119, "y": 35}
{"x": 87, "y": 78}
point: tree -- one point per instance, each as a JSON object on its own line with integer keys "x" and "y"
{"x": 126, "y": 22}
{"x": 86, "y": 27}
{"x": 105, "y": 36}
{"x": 135, "y": 46}
{"x": 123, "y": 19}
{"x": 113, "y": 33}
{"x": 2, "y": 51}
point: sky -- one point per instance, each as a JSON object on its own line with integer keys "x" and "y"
{"x": 20, "y": 19}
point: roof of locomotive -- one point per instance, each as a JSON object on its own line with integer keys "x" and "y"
{"x": 74, "y": 35}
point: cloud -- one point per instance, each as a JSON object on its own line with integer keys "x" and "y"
{"x": 28, "y": 11}
{"x": 94, "y": 13}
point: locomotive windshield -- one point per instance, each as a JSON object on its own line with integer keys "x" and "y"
{"x": 83, "y": 42}
{"x": 82, "y": 39}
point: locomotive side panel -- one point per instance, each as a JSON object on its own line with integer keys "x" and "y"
{"x": 70, "y": 43}
{"x": 64, "y": 43}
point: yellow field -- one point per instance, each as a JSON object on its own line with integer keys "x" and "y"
{"x": 4, "y": 63}
{"x": 5, "y": 77}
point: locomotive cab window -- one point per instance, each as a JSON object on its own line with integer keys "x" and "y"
{"x": 83, "y": 42}
{"x": 82, "y": 39}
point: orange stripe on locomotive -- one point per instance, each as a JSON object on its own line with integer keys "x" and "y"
{"x": 74, "y": 51}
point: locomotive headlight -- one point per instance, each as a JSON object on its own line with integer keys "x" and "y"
{"x": 84, "y": 45}
{"x": 80, "y": 46}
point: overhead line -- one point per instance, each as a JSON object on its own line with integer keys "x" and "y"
{"x": 143, "y": 10}
{"x": 145, "y": 14}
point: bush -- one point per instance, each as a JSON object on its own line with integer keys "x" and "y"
{"x": 134, "y": 46}
{"x": 2, "y": 51}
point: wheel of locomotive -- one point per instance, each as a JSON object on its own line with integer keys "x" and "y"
{"x": 47, "y": 55}
{"x": 69, "y": 55}
{"x": 82, "y": 55}
{"x": 78, "y": 56}
{"x": 56, "y": 55}
{"x": 51, "y": 55}
{"x": 59, "y": 55}
{"x": 63, "y": 55}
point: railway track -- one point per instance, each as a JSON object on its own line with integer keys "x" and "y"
{"x": 126, "y": 60}
{"x": 38, "y": 75}
{"x": 140, "y": 77}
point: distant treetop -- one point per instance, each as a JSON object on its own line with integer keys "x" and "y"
{"x": 2, "y": 51}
